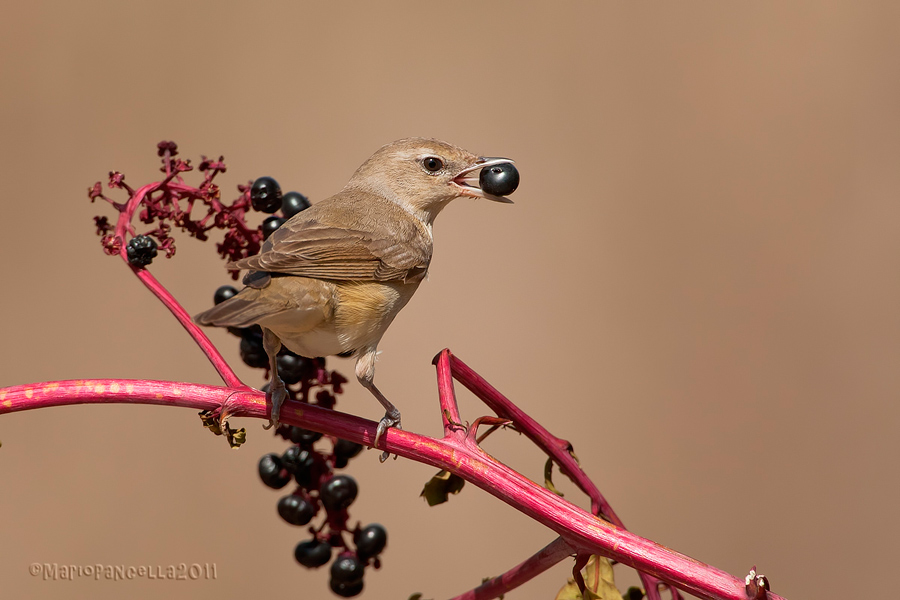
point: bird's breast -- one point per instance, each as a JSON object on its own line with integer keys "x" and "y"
{"x": 364, "y": 310}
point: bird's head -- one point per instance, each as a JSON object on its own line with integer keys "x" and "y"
{"x": 424, "y": 175}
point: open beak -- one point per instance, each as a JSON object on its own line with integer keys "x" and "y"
{"x": 468, "y": 179}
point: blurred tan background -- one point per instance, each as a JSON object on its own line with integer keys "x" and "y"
{"x": 699, "y": 283}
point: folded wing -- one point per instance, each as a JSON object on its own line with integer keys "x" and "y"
{"x": 341, "y": 241}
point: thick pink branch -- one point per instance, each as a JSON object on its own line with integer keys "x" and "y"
{"x": 581, "y": 530}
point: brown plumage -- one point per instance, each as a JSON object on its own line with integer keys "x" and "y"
{"x": 332, "y": 278}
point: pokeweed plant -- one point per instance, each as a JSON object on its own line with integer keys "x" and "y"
{"x": 323, "y": 440}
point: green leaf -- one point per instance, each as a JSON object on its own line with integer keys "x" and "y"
{"x": 548, "y": 477}
{"x": 439, "y": 487}
{"x": 236, "y": 437}
{"x": 569, "y": 591}
{"x": 599, "y": 580}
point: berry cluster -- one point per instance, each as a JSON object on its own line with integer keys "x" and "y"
{"x": 266, "y": 197}
{"x": 318, "y": 489}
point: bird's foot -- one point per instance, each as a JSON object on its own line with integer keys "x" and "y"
{"x": 390, "y": 419}
{"x": 275, "y": 395}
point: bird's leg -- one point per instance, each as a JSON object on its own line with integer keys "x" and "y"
{"x": 276, "y": 393}
{"x": 365, "y": 372}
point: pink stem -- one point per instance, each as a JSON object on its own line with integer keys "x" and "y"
{"x": 556, "y": 448}
{"x": 554, "y": 552}
{"x": 214, "y": 356}
{"x": 223, "y": 368}
{"x": 584, "y": 532}
{"x": 446, "y": 394}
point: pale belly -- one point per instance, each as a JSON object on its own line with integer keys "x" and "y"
{"x": 321, "y": 341}
{"x": 361, "y": 314}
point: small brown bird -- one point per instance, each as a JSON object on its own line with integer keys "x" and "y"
{"x": 332, "y": 278}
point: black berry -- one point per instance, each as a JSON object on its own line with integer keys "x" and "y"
{"x": 346, "y": 449}
{"x": 304, "y": 436}
{"x": 265, "y": 195}
{"x": 224, "y": 293}
{"x": 499, "y": 180}
{"x": 141, "y": 250}
{"x": 292, "y": 203}
{"x": 270, "y": 225}
{"x": 296, "y": 510}
{"x": 312, "y": 553}
{"x": 252, "y": 352}
{"x": 294, "y": 457}
{"x": 272, "y": 471}
{"x": 293, "y": 368}
{"x": 299, "y": 462}
{"x": 370, "y": 541}
{"x": 346, "y": 568}
{"x": 346, "y": 590}
{"x": 339, "y": 492}
{"x": 304, "y": 479}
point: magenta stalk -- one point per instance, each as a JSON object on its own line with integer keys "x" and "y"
{"x": 584, "y": 532}
{"x": 554, "y": 552}
{"x": 164, "y": 296}
{"x": 559, "y": 450}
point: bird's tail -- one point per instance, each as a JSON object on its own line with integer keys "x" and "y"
{"x": 241, "y": 310}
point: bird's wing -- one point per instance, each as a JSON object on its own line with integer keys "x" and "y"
{"x": 342, "y": 241}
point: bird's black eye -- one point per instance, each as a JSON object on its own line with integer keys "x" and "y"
{"x": 432, "y": 164}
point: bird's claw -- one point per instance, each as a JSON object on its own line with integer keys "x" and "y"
{"x": 276, "y": 395}
{"x": 389, "y": 420}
